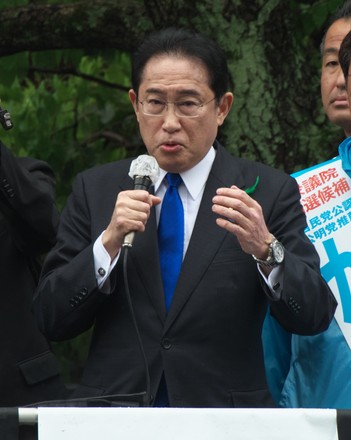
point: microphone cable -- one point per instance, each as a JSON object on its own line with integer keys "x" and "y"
{"x": 136, "y": 327}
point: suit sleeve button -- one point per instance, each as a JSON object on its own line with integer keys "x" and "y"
{"x": 166, "y": 344}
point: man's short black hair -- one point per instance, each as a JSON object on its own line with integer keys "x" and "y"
{"x": 186, "y": 44}
{"x": 343, "y": 12}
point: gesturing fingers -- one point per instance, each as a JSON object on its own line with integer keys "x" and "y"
{"x": 241, "y": 215}
{"x": 235, "y": 205}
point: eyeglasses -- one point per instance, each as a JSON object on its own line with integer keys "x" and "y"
{"x": 187, "y": 108}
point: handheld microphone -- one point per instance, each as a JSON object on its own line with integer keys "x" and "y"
{"x": 144, "y": 170}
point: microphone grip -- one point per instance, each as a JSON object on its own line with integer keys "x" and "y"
{"x": 140, "y": 182}
{"x": 128, "y": 239}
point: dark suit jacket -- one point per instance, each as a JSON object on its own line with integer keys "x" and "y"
{"x": 209, "y": 344}
{"x": 29, "y": 372}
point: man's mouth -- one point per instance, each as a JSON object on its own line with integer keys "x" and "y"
{"x": 340, "y": 100}
{"x": 170, "y": 145}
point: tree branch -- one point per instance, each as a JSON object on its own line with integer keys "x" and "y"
{"x": 75, "y": 72}
{"x": 96, "y": 24}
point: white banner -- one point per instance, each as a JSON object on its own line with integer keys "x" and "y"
{"x": 326, "y": 198}
{"x": 185, "y": 424}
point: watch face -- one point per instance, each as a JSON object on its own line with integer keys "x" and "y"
{"x": 278, "y": 251}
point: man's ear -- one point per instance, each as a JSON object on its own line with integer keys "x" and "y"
{"x": 134, "y": 100}
{"x": 224, "y": 107}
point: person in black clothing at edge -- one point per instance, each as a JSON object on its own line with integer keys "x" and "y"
{"x": 29, "y": 371}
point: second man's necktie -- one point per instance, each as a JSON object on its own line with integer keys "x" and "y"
{"x": 171, "y": 236}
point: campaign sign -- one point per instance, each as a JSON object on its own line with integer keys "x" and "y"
{"x": 326, "y": 199}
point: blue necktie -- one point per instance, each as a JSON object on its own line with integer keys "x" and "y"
{"x": 171, "y": 236}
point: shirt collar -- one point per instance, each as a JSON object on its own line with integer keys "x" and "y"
{"x": 195, "y": 178}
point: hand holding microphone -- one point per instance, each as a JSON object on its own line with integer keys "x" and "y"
{"x": 132, "y": 207}
{"x": 145, "y": 171}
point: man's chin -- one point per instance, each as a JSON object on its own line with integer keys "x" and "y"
{"x": 341, "y": 119}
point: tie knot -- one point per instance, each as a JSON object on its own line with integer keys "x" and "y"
{"x": 173, "y": 179}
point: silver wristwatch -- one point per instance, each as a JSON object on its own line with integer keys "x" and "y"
{"x": 275, "y": 254}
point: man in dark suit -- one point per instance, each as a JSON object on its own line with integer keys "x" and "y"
{"x": 29, "y": 371}
{"x": 240, "y": 251}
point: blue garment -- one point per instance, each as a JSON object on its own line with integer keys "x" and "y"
{"x": 277, "y": 355}
{"x": 319, "y": 367}
{"x": 320, "y": 371}
{"x": 345, "y": 155}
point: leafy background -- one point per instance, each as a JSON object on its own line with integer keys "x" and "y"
{"x": 70, "y": 106}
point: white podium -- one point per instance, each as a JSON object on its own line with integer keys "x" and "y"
{"x": 184, "y": 424}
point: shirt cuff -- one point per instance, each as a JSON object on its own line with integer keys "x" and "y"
{"x": 103, "y": 265}
{"x": 274, "y": 281}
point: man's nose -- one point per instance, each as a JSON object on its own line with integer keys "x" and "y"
{"x": 170, "y": 119}
{"x": 340, "y": 80}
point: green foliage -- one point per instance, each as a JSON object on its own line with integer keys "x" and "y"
{"x": 67, "y": 120}
{"x": 71, "y": 107}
